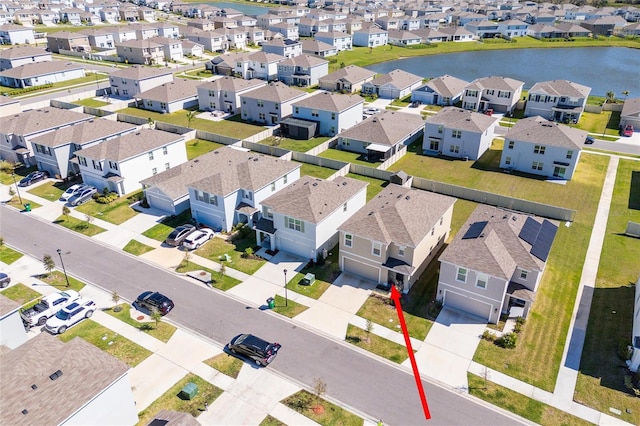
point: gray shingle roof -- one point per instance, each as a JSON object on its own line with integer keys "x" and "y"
{"x": 332, "y": 102}
{"x": 7, "y": 305}
{"x": 461, "y": 119}
{"x": 170, "y": 92}
{"x": 312, "y": 199}
{"x": 275, "y": 92}
{"x": 398, "y": 78}
{"x": 233, "y": 84}
{"x": 561, "y": 88}
{"x": 351, "y": 73}
{"x": 35, "y": 69}
{"x": 129, "y": 145}
{"x": 85, "y": 132}
{"x": 447, "y": 86}
{"x": 305, "y": 61}
{"x": 631, "y": 108}
{"x": 38, "y": 120}
{"x": 23, "y": 52}
{"x": 540, "y": 130}
{"x": 386, "y": 128}
{"x": 138, "y": 72}
{"x": 399, "y": 215}
{"x": 496, "y": 82}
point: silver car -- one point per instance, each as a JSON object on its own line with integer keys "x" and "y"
{"x": 83, "y": 196}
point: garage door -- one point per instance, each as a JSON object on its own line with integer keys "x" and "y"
{"x": 293, "y": 246}
{"x": 361, "y": 269}
{"x": 160, "y": 203}
{"x": 466, "y": 304}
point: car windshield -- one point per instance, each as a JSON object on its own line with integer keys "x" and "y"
{"x": 39, "y": 307}
{"x": 174, "y": 233}
{"x": 63, "y": 315}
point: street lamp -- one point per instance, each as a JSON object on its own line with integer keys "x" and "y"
{"x": 286, "y": 296}
{"x": 63, "y": 269}
{"x": 17, "y": 188}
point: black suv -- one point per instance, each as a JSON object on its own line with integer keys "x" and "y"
{"x": 154, "y": 300}
{"x": 177, "y": 236}
{"x": 261, "y": 351}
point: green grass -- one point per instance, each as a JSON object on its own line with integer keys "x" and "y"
{"x": 123, "y": 349}
{"x": 163, "y": 332}
{"x": 232, "y": 127}
{"x": 313, "y": 291}
{"x": 91, "y": 102}
{"x": 235, "y": 249}
{"x": 294, "y": 144}
{"x": 137, "y": 248}
{"x": 605, "y": 123}
{"x": 226, "y": 364}
{"x": 320, "y": 410}
{"x": 380, "y": 310}
{"x": 348, "y": 157}
{"x": 271, "y": 421}
{"x": 601, "y": 380}
{"x": 20, "y": 293}
{"x": 207, "y": 393}
{"x": 198, "y": 147}
{"x": 375, "y": 185}
{"x": 9, "y": 255}
{"x": 60, "y": 85}
{"x": 537, "y": 357}
{"x": 81, "y": 226}
{"x": 160, "y": 231}
{"x": 15, "y": 203}
{"x": 116, "y": 212}
{"x": 49, "y": 191}
{"x": 376, "y": 344}
{"x": 529, "y": 408}
{"x": 291, "y": 309}
{"x": 315, "y": 171}
{"x": 221, "y": 282}
{"x": 7, "y": 179}
{"x": 404, "y": 102}
{"x": 57, "y": 279}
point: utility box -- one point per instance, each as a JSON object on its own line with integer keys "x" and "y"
{"x": 189, "y": 391}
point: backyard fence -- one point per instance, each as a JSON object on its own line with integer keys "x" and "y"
{"x": 597, "y": 109}
{"x": 395, "y": 157}
{"x": 323, "y": 146}
{"x": 66, "y": 105}
{"x": 214, "y": 137}
{"x": 371, "y": 172}
{"x": 265, "y": 149}
{"x": 133, "y": 119}
{"x": 318, "y": 161}
{"x": 263, "y": 134}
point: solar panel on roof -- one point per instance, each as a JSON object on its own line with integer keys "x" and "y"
{"x": 530, "y": 230}
{"x": 475, "y": 230}
{"x": 543, "y": 243}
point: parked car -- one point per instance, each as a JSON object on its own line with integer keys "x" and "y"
{"x": 82, "y": 196}
{"x": 259, "y": 350}
{"x": 5, "y": 280}
{"x": 32, "y": 178}
{"x": 154, "y": 300}
{"x": 415, "y": 104}
{"x": 71, "y": 191}
{"x": 177, "y": 236}
{"x": 589, "y": 140}
{"x": 69, "y": 315}
{"x": 628, "y": 130}
{"x": 48, "y": 307}
{"x": 371, "y": 111}
{"x": 197, "y": 238}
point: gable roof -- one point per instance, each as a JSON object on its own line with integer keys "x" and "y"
{"x": 305, "y": 61}
{"x": 351, "y": 73}
{"x": 399, "y": 215}
{"x": 232, "y": 84}
{"x": 329, "y": 101}
{"x": 275, "y": 92}
{"x": 35, "y": 69}
{"x": 23, "y": 52}
{"x": 38, "y": 120}
{"x": 496, "y": 82}
{"x": 540, "y": 130}
{"x": 170, "y": 92}
{"x": 398, "y": 78}
{"x": 631, "y": 108}
{"x": 386, "y": 128}
{"x": 447, "y": 85}
{"x": 138, "y": 72}
{"x": 561, "y": 88}
{"x": 462, "y": 119}
{"x": 129, "y": 145}
{"x": 81, "y": 133}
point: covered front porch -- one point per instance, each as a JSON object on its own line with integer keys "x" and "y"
{"x": 518, "y": 301}
{"x": 399, "y": 273}
{"x": 265, "y": 234}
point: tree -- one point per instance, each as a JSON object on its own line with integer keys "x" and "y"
{"x": 368, "y": 328}
{"x": 115, "y": 297}
{"x": 611, "y": 96}
{"x": 151, "y": 123}
{"x": 156, "y": 316}
{"x": 48, "y": 263}
{"x": 190, "y": 116}
{"x": 319, "y": 389}
{"x": 223, "y": 269}
{"x": 65, "y": 211}
{"x": 625, "y": 93}
{"x": 187, "y": 257}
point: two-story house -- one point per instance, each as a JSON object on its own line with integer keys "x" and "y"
{"x": 22, "y": 55}
{"x": 318, "y": 48}
{"x": 128, "y": 82}
{"x": 99, "y": 38}
{"x": 119, "y": 164}
{"x": 283, "y": 47}
{"x": 557, "y": 100}
{"x": 349, "y": 79}
{"x": 541, "y": 147}
{"x": 224, "y": 93}
{"x": 303, "y": 219}
{"x": 500, "y": 94}
{"x": 212, "y": 41}
{"x": 394, "y": 236}
{"x": 144, "y": 52}
{"x": 444, "y": 91}
{"x": 370, "y": 37}
{"x": 16, "y": 34}
{"x": 168, "y": 29}
{"x": 303, "y": 70}
{"x": 65, "y": 40}
{"x": 396, "y": 84}
{"x": 170, "y": 97}
{"x": 171, "y": 47}
{"x": 270, "y": 104}
{"x": 340, "y": 40}
{"x": 333, "y": 112}
{"x": 495, "y": 263}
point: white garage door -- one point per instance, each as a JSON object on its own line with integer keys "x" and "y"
{"x": 293, "y": 246}
{"x": 467, "y": 304}
{"x": 161, "y": 203}
{"x": 361, "y": 269}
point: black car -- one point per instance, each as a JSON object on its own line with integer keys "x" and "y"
{"x": 32, "y": 178}
{"x": 589, "y": 140}
{"x": 154, "y": 300}
{"x": 177, "y": 236}
{"x": 261, "y": 351}
{"x": 5, "y": 280}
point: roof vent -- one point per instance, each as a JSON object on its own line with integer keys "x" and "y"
{"x": 34, "y": 386}
{"x": 315, "y": 183}
{"x": 344, "y": 183}
{"x": 25, "y": 411}
{"x": 137, "y": 133}
{"x": 408, "y": 197}
{"x": 55, "y": 375}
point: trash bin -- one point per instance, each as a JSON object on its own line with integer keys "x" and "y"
{"x": 271, "y": 302}
{"x": 27, "y": 207}
{"x": 188, "y": 391}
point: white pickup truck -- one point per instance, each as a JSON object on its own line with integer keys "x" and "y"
{"x": 48, "y": 307}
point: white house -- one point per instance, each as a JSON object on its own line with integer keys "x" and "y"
{"x": 283, "y": 47}
{"x": 16, "y": 34}
{"x": 498, "y": 93}
{"x": 370, "y": 37}
{"x": 333, "y": 112}
{"x": 303, "y": 70}
{"x": 558, "y": 100}
{"x": 349, "y": 79}
{"x": 396, "y": 84}
{"x": 12, "y": 331}
{"x": 444, "y": 91}
{"x": 271, "y": 103}
{"x": 170, "y": 97}
{"x": 339, "y": 40}
{"x": 223, "y": 94}
{"x": 41, "y": 73}
{"x": 128, "y": 82}
{"x": 22, "y": 55}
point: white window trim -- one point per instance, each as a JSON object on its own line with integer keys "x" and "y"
{"x": 480, "y": 277}
{"x": 466, "y": 272}
{"x": 375, "y": 244}
{"x": 348, "y": 240}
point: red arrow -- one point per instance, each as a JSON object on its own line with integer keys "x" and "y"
{"x": 395, "y": 296}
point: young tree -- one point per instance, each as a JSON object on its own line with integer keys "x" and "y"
{"x": 186, "y": 258}
{"x": 156, "y": 316}
{"x": 625, "y": 93}
{"x": 151, "y": 123}
{"x": 611, "y": 96}
{"x": 223, "y": 269}
{"x": 115, "y": 297}
{"x": 48, "y": 263}
{"x": 368, "y": 328}
{"x": 190, "y": 116}
{"x": 65, "y": 211}
{"x": 319, "y": 389}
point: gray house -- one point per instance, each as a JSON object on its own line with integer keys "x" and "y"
{"x": 348, "y": 79}
{"x": 631, "y": 113}
{"x": 303, "y": 70}
{"x": 557, "y": 100}
{"x": 333, "y": 112}
{"x": 269, "y": 104}
{"x": 396, "y": 84}
{"x": 170, "y": 97}
{"x": 224, "y": 93}
{"x": 444, "y": 90}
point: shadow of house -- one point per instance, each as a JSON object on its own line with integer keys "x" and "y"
{"x": 634, "y": 191}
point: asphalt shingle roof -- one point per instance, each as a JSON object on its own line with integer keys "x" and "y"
{"x": 171, "y": 92}
{"x": 275, "y": 92}
{"x": 129, "y": 145}
{"x": 38, "y": 120}
{"x": 462, "y": 119}
{"x": 351, "y": 73}
{"x": 333, "y": 102}
{"x": 540, "y": 130}
{"x": 386, "y": 128}
{"x": 138, "y": 72}
{"x": 561, "y": 88}
{"x": 85, "y": 132}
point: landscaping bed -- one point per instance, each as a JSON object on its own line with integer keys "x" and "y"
{"x": 163, "y": 331}
{"x": 226, "y": 364}
{"x": 236, "y": 250}
{"x": 320, "y": 410}
{"x": 82, "y": 226}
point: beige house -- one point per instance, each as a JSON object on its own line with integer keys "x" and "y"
{"x": 65, "y": 40}
{"x": 141, "y": 52}
{"x": 348, "y": 79}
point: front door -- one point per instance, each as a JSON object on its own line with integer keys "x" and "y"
{"x": 559, "y": 171}
{"x": 434, "y": 145}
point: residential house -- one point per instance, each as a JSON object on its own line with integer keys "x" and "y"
{"x": 128, "y": 14}
{"x": 630, "y": 113}
{"x": 389, "y": 23}
{"x": 337, "y": 25}
{"x": 303, "y": 219}
{"x": 99, "y": 38}
{"x": 268, "y": 19}
{"x": 128, "y": 82}
{"x": 109, "y": 15}
{"x": 269, "y": 104}
{"x": 55, "y": 152}
{"x": 370, "y": 37}
{"x": 122, "y": 33}
{"x": 9, "y": 106}
{"x": 340, "y": 40}
{"x": 382, "y": 135}
{"x": 260, "y": 65}
{"x": 630, "y": 30}
{"x": 308, "y": 27}
{"x": 255, "y": 35}
{"x": 495, "y": 263}
{"x": 201, "y": 24}
{"x": 403, "y": 38}
{"x": 394, "y": 237}
{"x": 48, "y": 380}
{"x": 459, "y": 133}
{"x": 396, "y": 84}
{"x": 318, "y": 48}
{"x": 444, "y": 90}
{"x": 6, "y": 17}
{"x": 144, "y": 31}
{"x": 16, "y": 131}
{"x": 144, "y": 52}
{"x": 237, "y": 38}
{"x": 557, "y": 100}
{"x": 348, "y": 79}
{"x": 570, "y": 29}
{"x": 430, "y": 35}
{"x": 170, "y": 97}
{"x": 303, "y": 71}
{"x": 12, "y": 331}
{"x": 146, "y": 14}
{"x": 537, "y": 146}
{"x": 457, "y": 34}
{"x": 483, "y": 29}
{"x": 192, "y": 49}
{"x": 513, "y": 28}
{"x": 64, "y": 40}
{"x": 168, "y": 29}
{"x": 224, "y": 93}
{"x": 353, "y": 24}
{"x": 40, "y": 73}
{"x": 606, "y": 26}
{"x": 542, "y": 31}
{"x": 283, "y": 47}
{"x": 498, "y": 93}
{"x": 333, "y": 112}
{"x": 245, "y": 22}
{"x": 26, "y": 17}
{"x": 119, "y": 164}
{"x": 227, "y": 186}
{"x": 172, "y": 48}
{"x": 71, "y": 16}
{"x": 22, "y": 55}
{"x": 212, "y": 41}
{"x": 16, "y": 34}
{"x": 288, "y": 31}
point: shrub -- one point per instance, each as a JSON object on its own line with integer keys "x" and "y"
{"x": 624, "y": 350}
{"x": 248, "y": 253}
{"x": 107, "y": 198}
{"x": 631, "y": 383}
{"x": 508, "y": 341}
{"x": 520, "y": 322}
{"x": 488, "y": 336}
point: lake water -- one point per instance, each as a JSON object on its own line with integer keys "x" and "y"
{"x": 601, "y": 68}
{"x": 247, "y": 9}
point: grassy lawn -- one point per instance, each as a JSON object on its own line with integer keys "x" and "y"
{"x": 81, "y": 226}
{"x": 601, "y": 379}
{"x": 404, "y": 102}
{"x": 375, "y": 185}
{"x": 271, "y": 421}
{"x": 348, "y": 157}
{"x": 294, "y": 144}
{"x": 15, "y": 203}
{"x": 7, "y": 179}
{"x": 160, "y": 231}
{"x": 91, "y": 102}
{"x": 163, "y": 332}
{"x": 313, "y": 291}
{"x": 226, "y": 364}
{"x": 57, "y": 279}
{"x": 9, "y": 255}
{"x": 198, "y": 147}
{"x": 233, "y": 127}
{"x": 207, "y": 393}
{"x": 319, "y": 410}
{"x": 221, "y": 282}
{"x": 20, "y": 293}
{"x": 235, "y": 249}
{"x": 315, "y": 171}
{"x": 49, "y": 191}
{"x": 537, "y": 357}
{"x": 380, "y": 310}
{"x": 290, "y": 310}
{"x": 376, "y": 344}
{"x": 90, "y": 78}
{"x": 115, "y": 345}
{"x": 530, "y": 409}
{"x": 116, "y": 212}
{"x": 137, "y": 248}
{"x": 605, "y": 123}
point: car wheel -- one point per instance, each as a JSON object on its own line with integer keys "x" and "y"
{"x": 198, "y": 246}
{"x": 210, "y": 237}
{"x": 258, "y": 362}
{"x": 42, "y": 320}
{"x": 233, "y": 351}
{"x": 4, "y": 284}
{"x": 62, "y": 329}
{"x": 88, "y": 314}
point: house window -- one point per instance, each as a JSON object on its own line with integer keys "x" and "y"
{"x": 457, "y": 134}
{"x": 295, "y": 224}
{"x": 314, "y": 113}
{"x": 260, "y": 104}
{"x": 273, "y": 186}
{"x": 511, "y": 144}
{"x": 462, "y": 275}
{"x": 266, "y": 211}
{"x": 212, "y": 93}
{"x": 262, "y": 116}
{"x": 244, "y": 101}
{"x": 213, "y": 200}
{"x": 490, "y": 92}
{"x": 481, "y": 280}
{"x": 97, "y": 165}
{"x": 247, "y": 194}
{"x": 440, "y": 129}
{"x": 472, "y": 93}
{"x": 154, "y": 171}
{"x": 212, "y": 105}
{"x": 333, "y": 115}
{"x": 113, "y": 165}
{"x": 523, "y": 274}
{"x": 163, "y": 105}
{"x": 149, "y": 103}
{"x": 344, "y": 207}
{"x": 401, "y": 251}
{"x": 507, "y": 161}
{"x": 297, "y": 110}
{"x": 376, "y": 249}
{"x": 165, "y": 150}
{"x": 569, "y": 155}
{"x": 82, "y": 161}
{"x": 166, "y": 166}
{"x": 455, "y": 149}
{"x": 151, "y": 155}
{"x": 348, "y": 240}
{"x": 285, "y": 178}
{"x": 537, "y": 166}
{"x": 276, "y": 106}
{"x": 539, "y": 149}
{"x": 502, "y": 94}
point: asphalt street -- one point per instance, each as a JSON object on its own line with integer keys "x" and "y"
{"x": 366, "y": 384}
